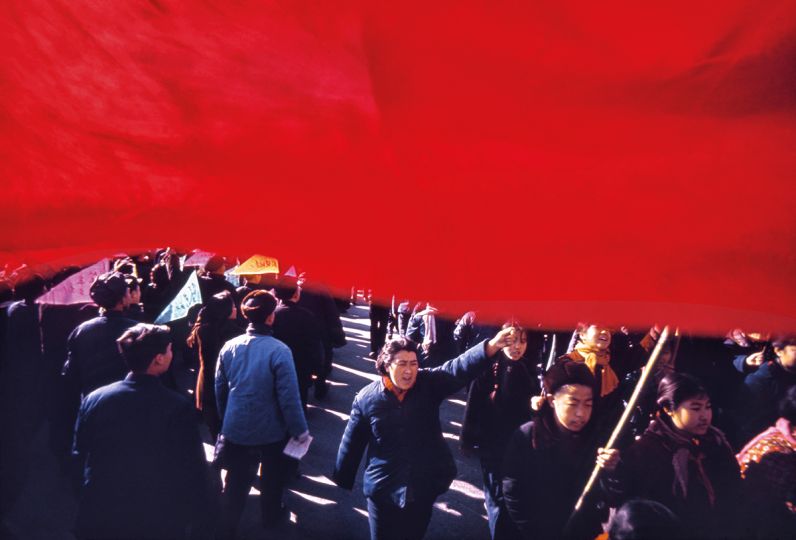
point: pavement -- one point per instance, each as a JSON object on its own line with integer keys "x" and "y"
{"x": 318, "y": 509}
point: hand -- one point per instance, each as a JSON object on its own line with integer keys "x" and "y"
{"x": 303, "y": 437}
{"x": 608, "y": 459}
{"x": 504, "y": 338}
{"x": 536, "y": 402}
{"x": 755, "y": 359}
{"x": 655, "y": 332}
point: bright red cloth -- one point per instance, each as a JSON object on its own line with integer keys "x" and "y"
{"x": 618, "y": 161}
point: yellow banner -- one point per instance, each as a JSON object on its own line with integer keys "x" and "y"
{"x": 257, "y": 264}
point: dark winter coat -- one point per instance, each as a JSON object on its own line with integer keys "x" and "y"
{"x": 764, "y": 389}
{"x": 210, "y": 284}
{"x": 647, "y": 470}
{"x": 297, "y": 328}
{"x": 544, "y": 472}
{"x": 145, "y": 474}
{"x": 498, "y": 402}
{"x": 408, "y": 457}
{"x": 210, "y": 339}
{"x": 93, "y": 357}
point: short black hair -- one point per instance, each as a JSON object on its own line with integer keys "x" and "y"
{"x": 390, "y": 349}
{"x": 140, "y": 344}
{"x": 286, "y": 287}
{"x": 257, "y": 306}
{"x": 675, "y": 388}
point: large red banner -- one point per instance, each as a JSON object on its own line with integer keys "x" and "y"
{"x": 559, "y": 161}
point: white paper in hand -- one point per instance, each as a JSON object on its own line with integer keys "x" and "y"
{"x": 295, "y": 449}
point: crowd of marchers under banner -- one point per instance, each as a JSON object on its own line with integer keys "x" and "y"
{"x": 708, "y": 451}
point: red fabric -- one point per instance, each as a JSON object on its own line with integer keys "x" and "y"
{"x": 616, "y": 161}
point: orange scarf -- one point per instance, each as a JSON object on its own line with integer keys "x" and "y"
{"x": 593, "y": 358}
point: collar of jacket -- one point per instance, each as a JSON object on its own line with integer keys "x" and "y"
{"x": 144, "y": 378}
{"x": 259, "y": 329}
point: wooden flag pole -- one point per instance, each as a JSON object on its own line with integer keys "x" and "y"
{"x": 626, "y": 414}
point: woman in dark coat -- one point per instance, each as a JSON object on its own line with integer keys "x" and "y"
{"x": 396, "y": 420}
{"x": 498, "y": 402}
{"x": 214, "y": 327}
{"x": 685, "y": 463}
{"x": 549, "y": 460}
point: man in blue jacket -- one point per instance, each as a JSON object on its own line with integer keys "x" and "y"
{"x": 144, "y": 469}
{"x": 397, "y": 419}
{"x": 258, "y": 400}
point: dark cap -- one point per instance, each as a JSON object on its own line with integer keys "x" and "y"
{"x": 286, "y": 287}
{"x": 215, "y": 263}
{"x": 565, "y": 372}
{"x": 108, "y": 289}
{"x": 258, "y": 305}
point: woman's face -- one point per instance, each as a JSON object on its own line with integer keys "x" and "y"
{"x": 403, "y": 370}
{"x": 693, "y": 415}
{"x": 787, "y": 356}
{"x": 517, "y": 349}
{"x": 596, "y": 337}
{"x": 572, "y": 404}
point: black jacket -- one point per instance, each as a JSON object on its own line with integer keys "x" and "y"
{"x": 545, "y": 469}
{"x": 647, "y": 471}
{"x": 407, "y": 454}
{"x": 297, "y": 328}
{"x": 498, "y": 402}
{"x": 145, "y": 474}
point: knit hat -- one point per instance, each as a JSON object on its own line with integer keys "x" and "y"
{"x": 108, "y": 289}
{"x": 258, "y": 305}
{"x": 565, "y": 372}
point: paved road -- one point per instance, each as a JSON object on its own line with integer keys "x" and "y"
{"x": 319, "y": 509}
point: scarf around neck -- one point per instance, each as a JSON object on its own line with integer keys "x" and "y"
{"x": 688, "y": 448}
{"x": 595, "y": 357}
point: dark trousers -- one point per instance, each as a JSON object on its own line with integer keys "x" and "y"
{"x": 378, "y": 327}
{"x": 242, "y": 463}
{"x": 500, "y": 525}
{"x": 390, "y": 522}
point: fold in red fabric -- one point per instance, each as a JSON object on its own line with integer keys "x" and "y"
{"x": 558, "y": 161}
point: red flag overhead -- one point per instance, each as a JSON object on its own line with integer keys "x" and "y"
{"x": 619, "y": 161}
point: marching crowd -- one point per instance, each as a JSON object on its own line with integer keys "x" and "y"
{"x": 709, "y": 450}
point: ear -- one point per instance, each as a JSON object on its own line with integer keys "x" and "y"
{"x": 550, "y": 398}
{"x": 270, "y": 319}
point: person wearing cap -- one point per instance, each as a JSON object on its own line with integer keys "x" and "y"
{"x": 144, "y": 474}
{"x": 300, "y": 330}
{"x": 93, "y": 357}
{"x": 396, "y": 418}
{"x": 213, "y": 281}
{"x": 549, "y": 459}
{"x": 260, "y": 407}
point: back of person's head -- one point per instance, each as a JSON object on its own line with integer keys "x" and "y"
{"x": 286, "y": 287}
{"x": 787, "y": 406}
{"x": 159, "y": 276}
{"x": 141, "y": 343}
{"x": 566, "y": 372}
{"x": 390, "y": 349}
{"x": 30, "y": 288}
{"x": 257, "y": 306}
{"x": 108, "y": 289}
{"x": 217, "y": 309}
{"x": 642, "y": 519}
{"x": 675, "y": 388}
{"x": 215, "y": 265}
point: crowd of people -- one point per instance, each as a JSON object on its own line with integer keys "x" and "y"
{"x": 709, "y": 450}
